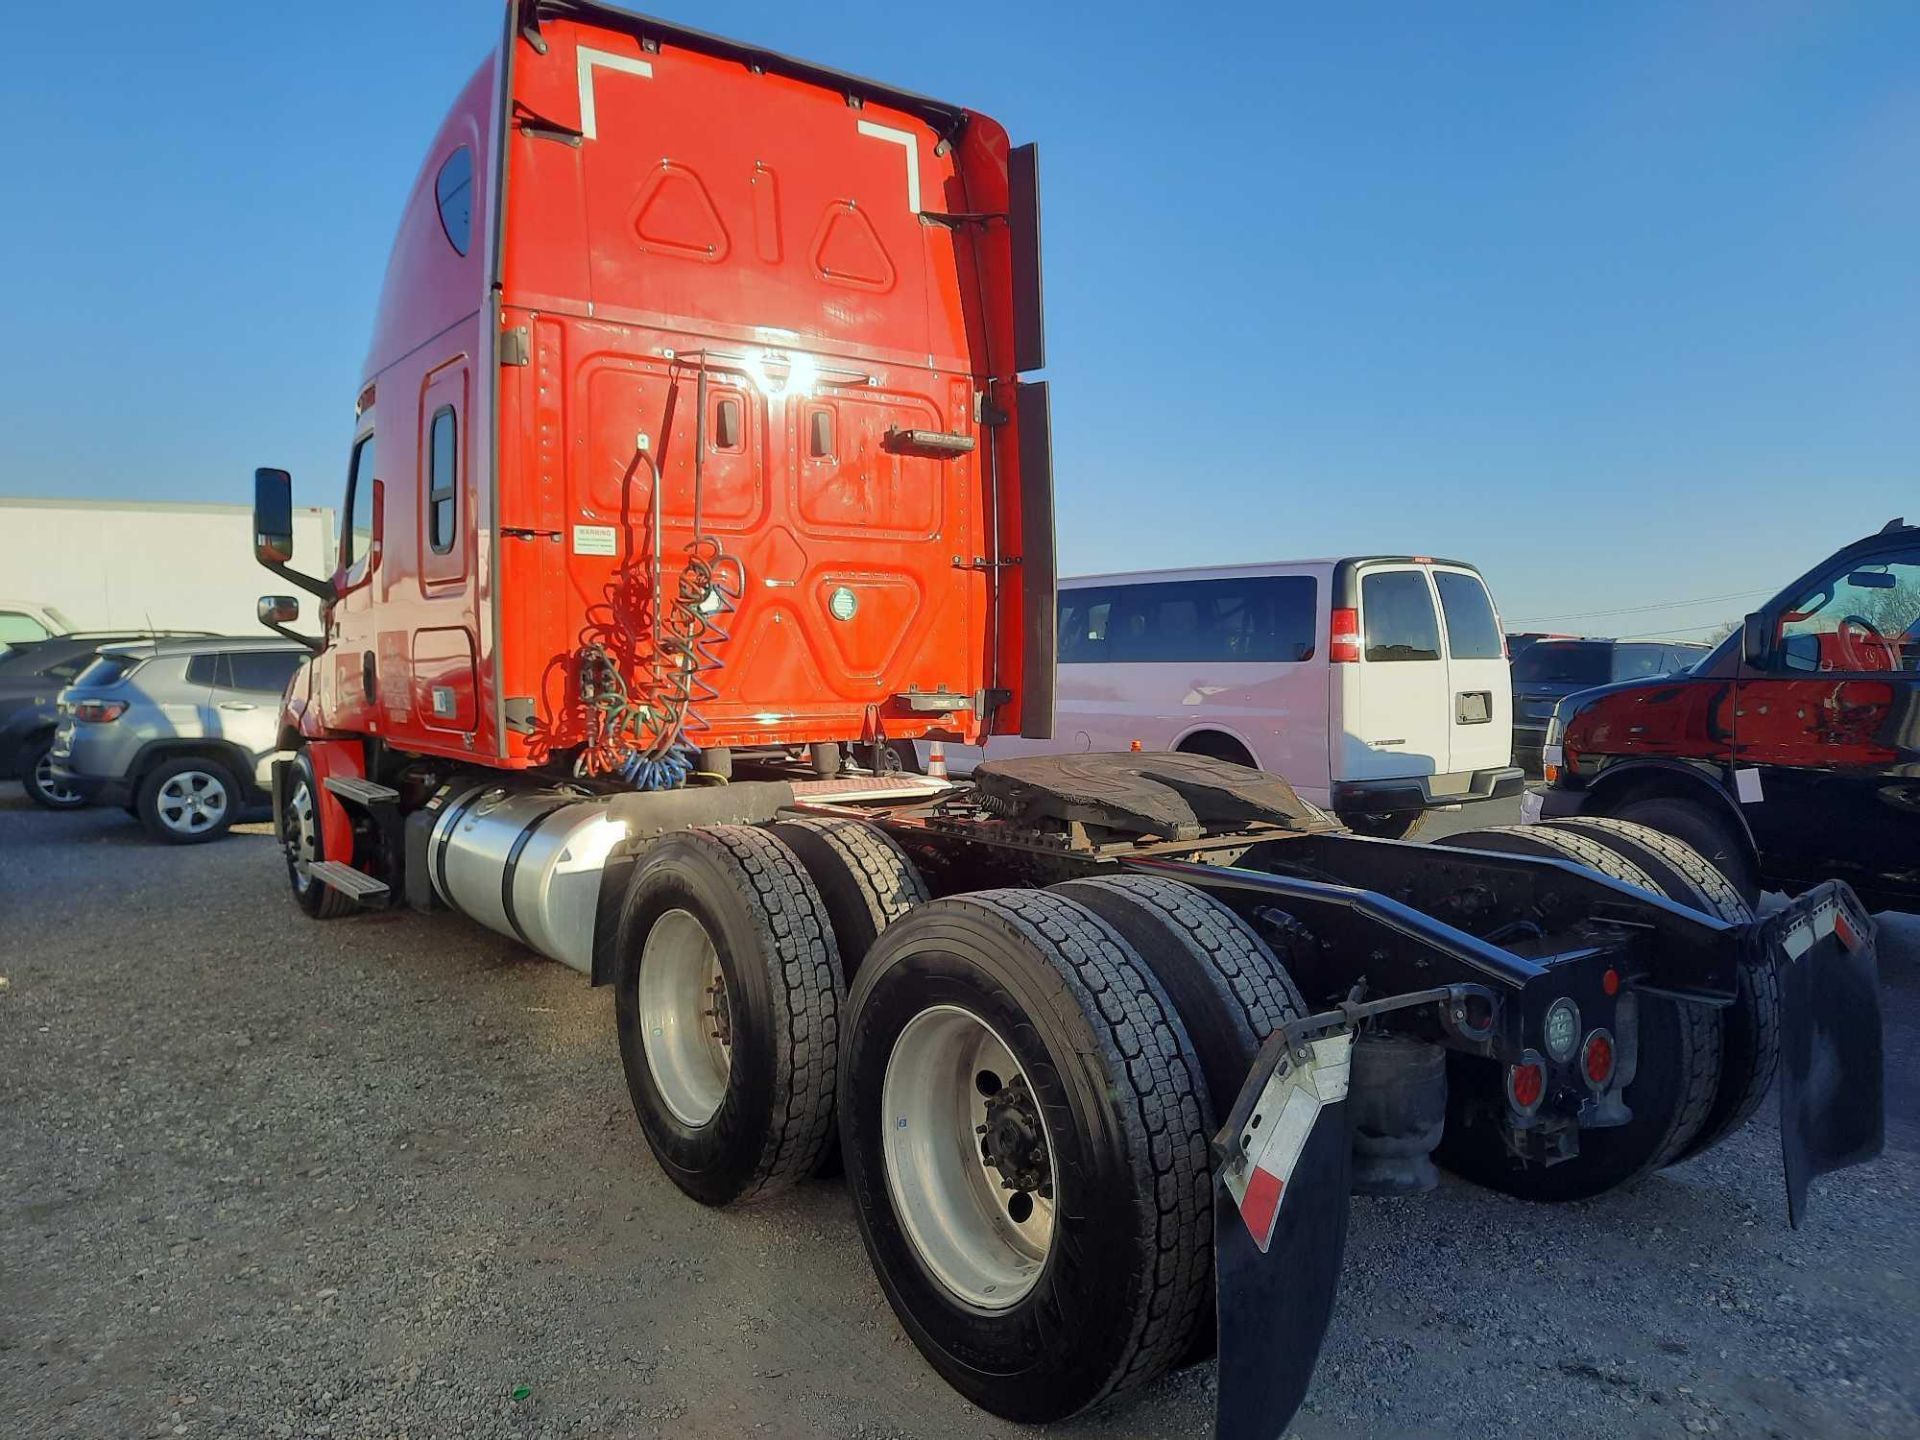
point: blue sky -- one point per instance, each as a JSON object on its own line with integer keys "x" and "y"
{"x": 1622, "y": 302}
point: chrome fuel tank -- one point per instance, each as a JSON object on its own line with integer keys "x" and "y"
{"x": 527, "y": 863}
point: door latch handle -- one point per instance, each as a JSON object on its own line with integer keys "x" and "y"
{"x": 238, "y": 705}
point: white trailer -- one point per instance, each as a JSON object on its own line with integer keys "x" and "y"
{"x": 137, "y": 565}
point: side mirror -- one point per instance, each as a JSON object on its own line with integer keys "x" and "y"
{"x": 1756, "y": 641}
{"x": 277, "y": 612}
{"x": 272, "y": 516}
{"x": 273, "y": 534}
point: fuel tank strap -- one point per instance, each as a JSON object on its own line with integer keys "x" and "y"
{"x": 512, "y": 867}
{"x": 443, "y": 839}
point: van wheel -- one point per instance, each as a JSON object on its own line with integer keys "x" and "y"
{"x": 41, "y": 784}
{"x": 301, "y": 842}
{"x": 1750, "y": 1027}
{"x": 1022, "y": 1116}
{"x": 1700, "y": 828}
{"x": 728, "y": 998}
{"x": 1670, "y": 1095}
{"x": 188, "y": 801}
{"x": 1395, "y": 825}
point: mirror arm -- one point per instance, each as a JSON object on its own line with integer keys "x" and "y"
{"x": 312, "y": 642}
{"x": 325, "y": 589}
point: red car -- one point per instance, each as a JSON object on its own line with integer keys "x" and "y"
{"x": 1791, "y": 754}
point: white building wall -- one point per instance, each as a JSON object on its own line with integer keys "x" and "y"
{"x": 111, "y": 565}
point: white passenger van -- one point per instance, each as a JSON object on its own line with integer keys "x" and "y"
{"x": 1376, "y": 684}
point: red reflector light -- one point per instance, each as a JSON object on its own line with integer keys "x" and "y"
{"x": 1527, "y": 1084}
{"x": 1610, "y": 982}
{"x": 1343, "y": 636}
{"x": 1597, "y": 1059}
{"x": 99, "y": 712}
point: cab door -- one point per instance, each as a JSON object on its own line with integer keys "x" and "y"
{"x": 351, "y": 681}
{"x": 1827, "y": 726}
{"x": 1479, "y": 680}
{"x": 1399, "y": 722}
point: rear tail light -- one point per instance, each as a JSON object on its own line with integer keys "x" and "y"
{"x": 1343, "y": 637}
{"x": 1527, "y": 1083}
{"x": 1596, "y": 1059}
{"x": 99, "y": 712}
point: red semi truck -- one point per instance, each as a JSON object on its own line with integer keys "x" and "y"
{"x": 696, "y": 446}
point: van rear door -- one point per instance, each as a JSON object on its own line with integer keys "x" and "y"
{"x": 1397, "y": 711}
{"x": 1479, "y": 682}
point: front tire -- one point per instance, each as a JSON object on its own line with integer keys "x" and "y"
{"x": 43, "y": 787}
{"x": 302, "y": 844}
{"x": 1023, "y": 1012}
{"x": 728, "y": 1000}
{"x": 188, "y": 801}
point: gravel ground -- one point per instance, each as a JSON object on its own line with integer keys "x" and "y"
{"x": 265, "y": 1177}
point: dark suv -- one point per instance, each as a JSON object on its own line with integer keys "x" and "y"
{"x": 1791, "y": 753}
{"x": 1550, "y": 669}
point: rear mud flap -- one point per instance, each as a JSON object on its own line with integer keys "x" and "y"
{"x": 1273, "y": 1302}
{"x": 1832, "y": 1080}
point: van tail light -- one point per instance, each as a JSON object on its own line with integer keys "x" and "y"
{"x": 1596, "y": 1059}
{"x": 99, "y": 712}
{"x": 1343, "y": 637}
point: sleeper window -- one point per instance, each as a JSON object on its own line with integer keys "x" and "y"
{"x": 443, "y": 507}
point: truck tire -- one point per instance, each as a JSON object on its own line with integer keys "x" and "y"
{"x": 728, "y": 996}
{"x": 1750, "y": 1027}
{"x": 188, "y": 801}
{"x": 1700, "y": 828}
{"x": 1230, "y": 992}
{"x": 40, "y": 783}
{"x": 864, "y": 878}
{"x": 303, "y": 845}
{"x": 1670, "y": 1095}
{"x": 1024, "y": 1011}
{"x": 1229, "y": 989}
{"x": 867, "y": 882}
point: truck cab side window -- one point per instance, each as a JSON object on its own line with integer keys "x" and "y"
{"x": 1865, "y": 618}
{"x": 357, "y": 539}
{"x": 443, "y": 508}
{"x": 453, "y": 190}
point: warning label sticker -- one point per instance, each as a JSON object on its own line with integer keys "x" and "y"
{"x": 594, "y": 540}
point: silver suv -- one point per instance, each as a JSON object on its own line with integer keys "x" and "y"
{"x": 180, "y": 732}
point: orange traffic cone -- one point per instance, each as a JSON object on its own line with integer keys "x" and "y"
{"x": 937, "y": 761}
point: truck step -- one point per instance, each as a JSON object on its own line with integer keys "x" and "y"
{"x": 361, "y": 792}
{"x": 356, "y": 885}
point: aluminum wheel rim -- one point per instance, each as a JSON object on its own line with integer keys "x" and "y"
{"x": 49, "y": 785}
{"x": 985, "y": 1243}
{"x": 686, "y": 1020}
{"x": 302, "y": 836}
{"x": 191, "y": 803}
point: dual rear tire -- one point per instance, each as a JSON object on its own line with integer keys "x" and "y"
{"x": 1024, "y": 1102}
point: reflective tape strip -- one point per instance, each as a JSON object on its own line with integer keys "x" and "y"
{"x": 1289, "y": 1104}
